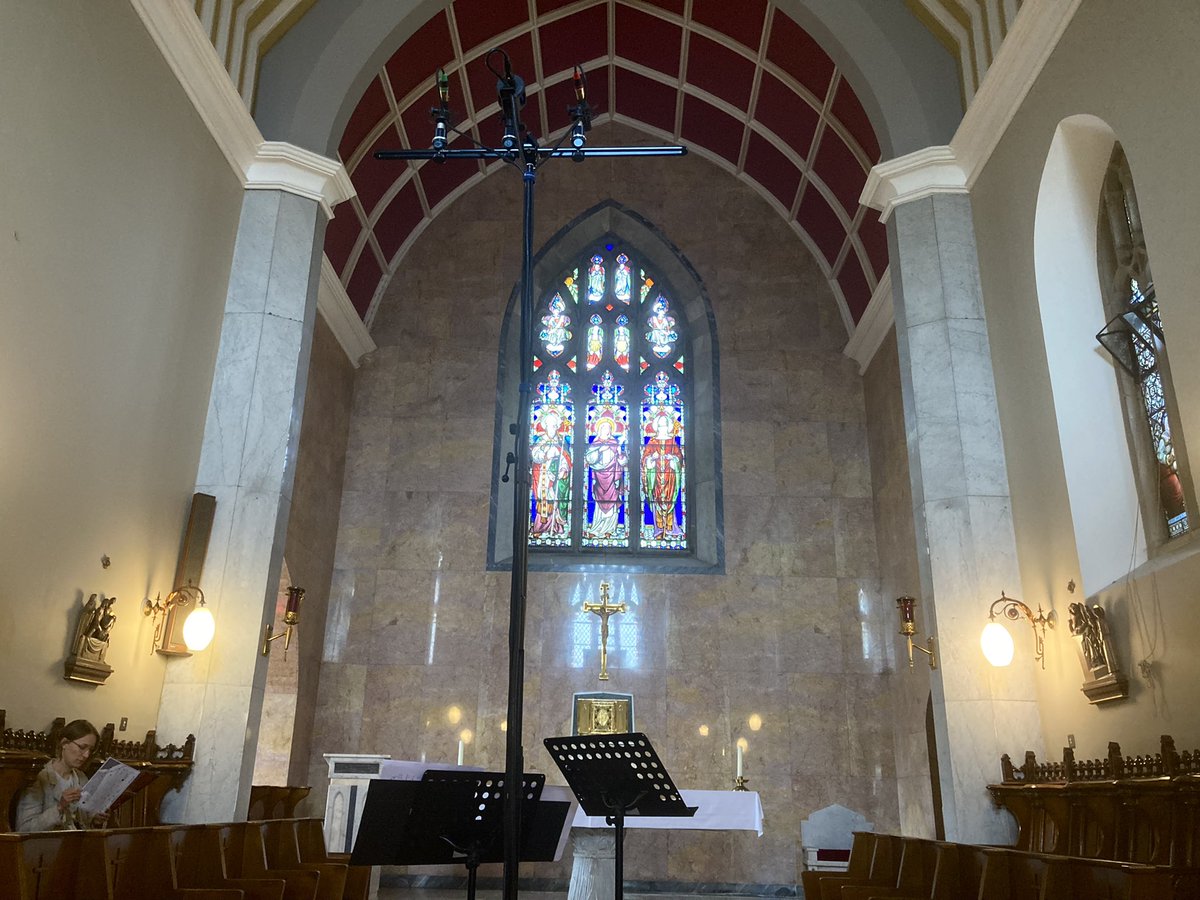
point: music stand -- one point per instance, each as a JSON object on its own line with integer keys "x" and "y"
{"x": 617, "y": 775}
{"x": 450, "y": 816}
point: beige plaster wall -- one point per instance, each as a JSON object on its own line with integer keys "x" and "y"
{"x": 118, "y": 216}
{"x": 793, "y": 632}
{"x": 1147, "y": 107}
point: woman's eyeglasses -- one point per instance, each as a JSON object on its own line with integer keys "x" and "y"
{"x": 85, "y": 749}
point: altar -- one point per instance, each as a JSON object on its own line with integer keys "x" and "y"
{"x": 593, "y": 841}
{"x": 593, "y": 871}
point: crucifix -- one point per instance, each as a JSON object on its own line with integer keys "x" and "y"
{"x": 604, "y": 609}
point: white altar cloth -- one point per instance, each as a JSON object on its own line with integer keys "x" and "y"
{"x": 717, "y": 811}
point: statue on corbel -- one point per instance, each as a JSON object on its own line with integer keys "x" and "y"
{"x": 93, "y": 631}
{"x": 1103, "y": 680}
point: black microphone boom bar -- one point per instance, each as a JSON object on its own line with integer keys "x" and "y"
{"x": 542, "y": 152}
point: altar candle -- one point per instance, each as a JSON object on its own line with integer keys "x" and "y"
{"x": 460, "y": 751}
{"x": 739, "y": 760}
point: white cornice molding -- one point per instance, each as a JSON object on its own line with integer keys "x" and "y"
{"x": 286, "y": 167}
{"x": 258, "y": 164}
{"x": 877, "y": 320}
{"x": 933, "y": 170}
{"x": 333, "y": 303}
{"x": 953, "y": 169}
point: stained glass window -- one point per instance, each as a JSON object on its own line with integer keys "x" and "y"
{"x": 663, "y": 472}
{"x": 621, "y": 459}
{"x": 1134, "y": 307}
{"x": 607, "y": 459}
{"x": 595, "y": 284}
{"x": 552, "y": 429}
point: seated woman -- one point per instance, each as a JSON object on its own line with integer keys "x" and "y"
{"x": 52, "y": 801}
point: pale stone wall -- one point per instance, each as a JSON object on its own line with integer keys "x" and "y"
{"x": 899, "y": 576}
{"x": 795, "y": 631}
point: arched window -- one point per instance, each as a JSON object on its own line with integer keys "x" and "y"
{"x": 1134, "y": 335}
{"x": 624, "y": 447}
{"x": 608, "y": 434}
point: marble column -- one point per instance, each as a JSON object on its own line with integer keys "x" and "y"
{"x": 247, "y": 462}
{"x": 961, "y": 506}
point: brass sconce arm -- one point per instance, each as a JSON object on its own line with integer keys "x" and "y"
{"x": 908, "y": 628}
{"x": 198, "y": 627}
{"x": 1013, "y": 610}
{"x": 291, "y": 618}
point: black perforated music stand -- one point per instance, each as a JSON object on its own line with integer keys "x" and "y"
{"x": 615, "y": 776}
{"x": 449, "y": 816}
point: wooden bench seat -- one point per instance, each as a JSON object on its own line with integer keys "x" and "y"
{"x": 245, "y": 857}
{"x": 200, "y": 863}
{"x": 139, "y": 864}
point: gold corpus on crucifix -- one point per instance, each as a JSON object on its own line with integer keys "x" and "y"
{"x": 604, "y": 609}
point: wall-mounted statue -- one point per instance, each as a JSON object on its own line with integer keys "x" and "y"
{"x": 1103, "y": 679}
{"x": 93, "y": 631}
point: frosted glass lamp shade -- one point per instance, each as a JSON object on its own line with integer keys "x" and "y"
{"x": 199, "y": 628}
{"x": 997, "y": 644}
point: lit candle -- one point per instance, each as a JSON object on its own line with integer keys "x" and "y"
{"x": 739, "y": 760}
{"x": 460, "y": 751}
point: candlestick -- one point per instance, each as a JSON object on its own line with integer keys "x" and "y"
{"x": 460, "y": 751}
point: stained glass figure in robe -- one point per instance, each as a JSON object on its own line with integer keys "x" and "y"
{"x": 623, "y": 279}
{"x": 608, "y": 467}
{"x": 551, "y": 434}
{"x": 595, "y": 342}
{"x": 595, "y": 280}
{"x": 661, "y": 334}
{"x": 555, "y": 332}
{"x": 663, "y": 473}
{"x": 621, "y": 342}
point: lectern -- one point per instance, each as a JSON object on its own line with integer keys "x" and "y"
{"x": 615, "y": 776}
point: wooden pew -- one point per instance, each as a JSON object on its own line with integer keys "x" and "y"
{"x": 245, "y": 857}
{"x": 862, "y": 848}
{"x": 200, "y": 863}
{"x": 914, "y": 878}
{"x": 283, "y": 854}
{"x": 42, "y": 865}
{"x": 310, "y": 835}
{"x": 140, "y": 865}
{"x": 885, "y": 869}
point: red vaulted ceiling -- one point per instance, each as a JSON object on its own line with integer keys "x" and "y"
{"x": 740, "y": 83}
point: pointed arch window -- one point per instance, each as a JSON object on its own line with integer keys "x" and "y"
{"x": 623, "y": 386}
{"x": 608, "y": 423}
{"x": 1134, "y": 336}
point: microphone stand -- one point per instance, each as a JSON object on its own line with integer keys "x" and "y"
{"x": 512, "y": 96}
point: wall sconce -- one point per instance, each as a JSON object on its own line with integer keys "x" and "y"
{"x": 291, "y": 618}
{"x": 908, "y": 627}
{"x": 997, "y": 643}
{"x": 198, "y": 628}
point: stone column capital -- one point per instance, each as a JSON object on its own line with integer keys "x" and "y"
{"x": 922, "y": 173}
{"x": 286, "y": 167}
